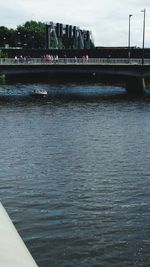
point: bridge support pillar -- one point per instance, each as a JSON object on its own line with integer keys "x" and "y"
{"x": 135, "y": 85}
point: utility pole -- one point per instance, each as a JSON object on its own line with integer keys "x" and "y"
{"x": 129, "y": 36}
{"x": 143, "y": 44}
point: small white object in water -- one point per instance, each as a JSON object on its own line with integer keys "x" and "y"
{"x": 39, "y": 92}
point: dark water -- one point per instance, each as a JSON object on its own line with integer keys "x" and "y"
{"x": 75, "y": 174}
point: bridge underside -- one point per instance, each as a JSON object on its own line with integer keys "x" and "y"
{"x": 133, "y": 85}
{"x": 132, "y": 76}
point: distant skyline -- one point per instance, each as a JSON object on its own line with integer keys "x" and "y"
{"x": 108, "y": 19}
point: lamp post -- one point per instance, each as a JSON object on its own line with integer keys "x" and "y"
{"x": 143, "y": 44}
{"x": 129, "y": 30}
{"x": 130, "y": 15}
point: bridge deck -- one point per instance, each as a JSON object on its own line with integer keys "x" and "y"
{"x": 76, "y": 66}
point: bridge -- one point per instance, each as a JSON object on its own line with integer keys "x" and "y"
{"x": 133, "y": 71}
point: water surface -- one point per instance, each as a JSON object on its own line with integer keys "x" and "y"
{"x": 75, "y": 173}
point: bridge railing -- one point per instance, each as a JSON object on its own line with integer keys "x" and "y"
{"x": 79, "y": 61}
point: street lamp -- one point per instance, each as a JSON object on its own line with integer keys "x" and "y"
{"x": 130, "y": 15}
{"x": 144, "y": 11}
{"x": 129, "y": 30}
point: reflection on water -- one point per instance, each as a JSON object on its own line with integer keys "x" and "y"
{"x": 61, "y": 89}
{"x": 75, "y": 173}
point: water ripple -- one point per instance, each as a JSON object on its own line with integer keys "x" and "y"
{"x": 75, "y": 175}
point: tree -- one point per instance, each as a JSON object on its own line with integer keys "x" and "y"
{"x": 4, "y": 36}
{"x": 2, "y": 54}
{"x": 31, "y": 35}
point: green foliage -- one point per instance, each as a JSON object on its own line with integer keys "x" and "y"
{"x": 2, "y": 54}
{"x": 2, "y": 79}
{"x": 32, "y": 35}
{"x": 29, "y": 35}
{"x": 4, "y": 35}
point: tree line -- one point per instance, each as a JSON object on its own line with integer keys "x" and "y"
{"x": 29, "y": 35}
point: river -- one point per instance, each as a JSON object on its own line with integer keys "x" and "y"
{"x": 75, "y": 173}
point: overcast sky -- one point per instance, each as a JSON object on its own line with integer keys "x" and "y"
{"x": 107, "y": 19}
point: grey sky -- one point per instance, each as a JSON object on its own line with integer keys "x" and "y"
{"x": 107, "y": 19}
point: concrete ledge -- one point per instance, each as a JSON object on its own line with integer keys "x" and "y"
{"x": 13, "y": 252}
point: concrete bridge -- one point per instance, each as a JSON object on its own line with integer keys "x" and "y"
{"x": 132, "y": 70}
